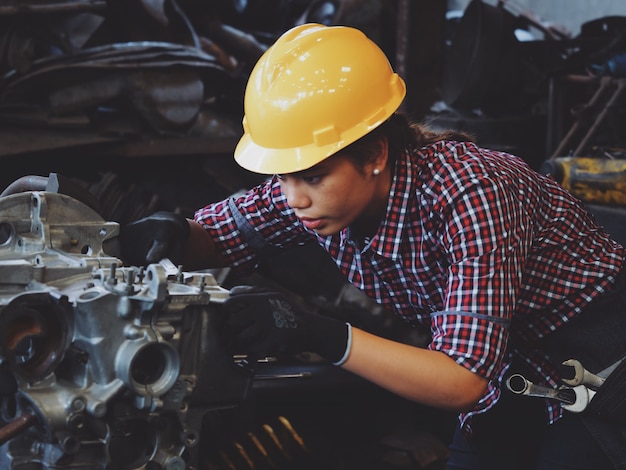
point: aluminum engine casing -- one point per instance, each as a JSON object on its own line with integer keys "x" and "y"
{"x": 115, "y": 366}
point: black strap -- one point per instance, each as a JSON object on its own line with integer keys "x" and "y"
{"x": 254, "y": 239}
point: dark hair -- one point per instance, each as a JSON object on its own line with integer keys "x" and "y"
{"x": 401, "y": 135}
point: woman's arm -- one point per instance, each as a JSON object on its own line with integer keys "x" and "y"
{"x": 262, "y": 322}
{"x": 424, "y": 376}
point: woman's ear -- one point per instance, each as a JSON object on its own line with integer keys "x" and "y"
{"x": 382, "y": 153}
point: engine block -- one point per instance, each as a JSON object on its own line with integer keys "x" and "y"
{"x": 104, "y": 366}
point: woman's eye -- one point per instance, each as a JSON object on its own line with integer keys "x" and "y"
{"x": 312, "y": 179}
{"x": 309, "y": 179}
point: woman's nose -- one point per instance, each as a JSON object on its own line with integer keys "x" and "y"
{"x": 296, "y": 195}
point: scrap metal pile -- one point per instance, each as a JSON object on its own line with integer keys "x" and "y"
{"x": 86, "y": 86}
{"x": 84, "y": 72}
{"x": 519, "y": 83}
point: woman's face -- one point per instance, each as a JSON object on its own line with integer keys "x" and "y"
{"x": 336, "y": 193}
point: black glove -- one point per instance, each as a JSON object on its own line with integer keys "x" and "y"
{"x": 149, "y": 240}
{"x": 262, "y": 322}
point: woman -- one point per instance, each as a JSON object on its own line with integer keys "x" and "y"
{"x": 504, "y": 267}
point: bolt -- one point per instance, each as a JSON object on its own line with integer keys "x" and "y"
{"x": 112, "y": 280}
{"x": 78, "y": 404}
{"x": 175, "y": 463}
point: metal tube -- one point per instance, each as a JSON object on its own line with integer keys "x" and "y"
{"x": 600, "y": 119}
{"x": 605, "y": 83}
{"x": 26, "y": 183}
{"x": 17, "y": 426}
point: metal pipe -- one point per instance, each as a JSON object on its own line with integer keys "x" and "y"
{"x": 604, "y": 85}
{"x": 621, "y": 83}
{"x": 26, "y": 183}
{"x": 17, "y": 426}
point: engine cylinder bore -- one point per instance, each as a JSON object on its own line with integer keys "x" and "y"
{"x": 149, "y": 368}
{"x": 34, "y": 332}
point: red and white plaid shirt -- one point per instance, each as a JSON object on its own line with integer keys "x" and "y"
{"x": 474, "y": 244}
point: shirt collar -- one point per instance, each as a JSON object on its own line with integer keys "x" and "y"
{"x": 386, "y": 242}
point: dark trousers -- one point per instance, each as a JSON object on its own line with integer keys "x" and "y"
{"x": 515, "y": 435}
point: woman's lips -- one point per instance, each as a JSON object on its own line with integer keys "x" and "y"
{"x": 312, "y": 224}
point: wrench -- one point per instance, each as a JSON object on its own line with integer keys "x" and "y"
{"x": 583, "y": 396}
{"x": 582, "y": 376}
{"x": 574, "y": 399}
{"x": 520, "y": 385}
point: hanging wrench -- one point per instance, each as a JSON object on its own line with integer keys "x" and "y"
{"x": 520, "y": 385}
{"x": 582, "y": 376}
{"x": 574, "y": 399}
{"x": 583, "y": 396}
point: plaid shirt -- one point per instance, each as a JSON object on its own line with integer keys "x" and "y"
{"x": 474, "y": 244}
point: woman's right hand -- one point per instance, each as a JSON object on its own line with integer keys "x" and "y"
{"x": 153, "y": 238}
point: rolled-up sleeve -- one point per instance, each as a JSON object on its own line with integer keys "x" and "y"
{"x": 476, "y": 342}
{"x": 486, "y": 238}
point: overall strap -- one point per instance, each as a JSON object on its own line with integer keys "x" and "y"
{"x": 254, "y": 239}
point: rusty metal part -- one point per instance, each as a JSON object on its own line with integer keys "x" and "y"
{"x": 34, "y": 335}
{"x": 228, "y": 61}
{"x": 237, "y": 42}
{"x": 17, "y": 426}
{"x": 261, "y": 449}
{"x": 593, "y": 180}
{"x": 276, "y": 446}
{"x": 293, "y": 433}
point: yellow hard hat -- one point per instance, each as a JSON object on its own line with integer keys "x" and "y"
{"x": 316, "y": 90}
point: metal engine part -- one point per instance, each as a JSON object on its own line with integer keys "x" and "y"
{"x": 114, "y": 367}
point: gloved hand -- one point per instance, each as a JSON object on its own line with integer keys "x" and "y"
{"x": 149, "y": 240}
{"x": 262, "y": 322}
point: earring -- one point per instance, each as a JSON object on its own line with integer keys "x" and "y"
{"x": 376, "y": 172}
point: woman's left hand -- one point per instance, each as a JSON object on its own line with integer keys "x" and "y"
{"x": 263, "y": 322}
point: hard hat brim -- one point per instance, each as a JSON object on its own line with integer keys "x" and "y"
{"x": 269, "y": 161}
